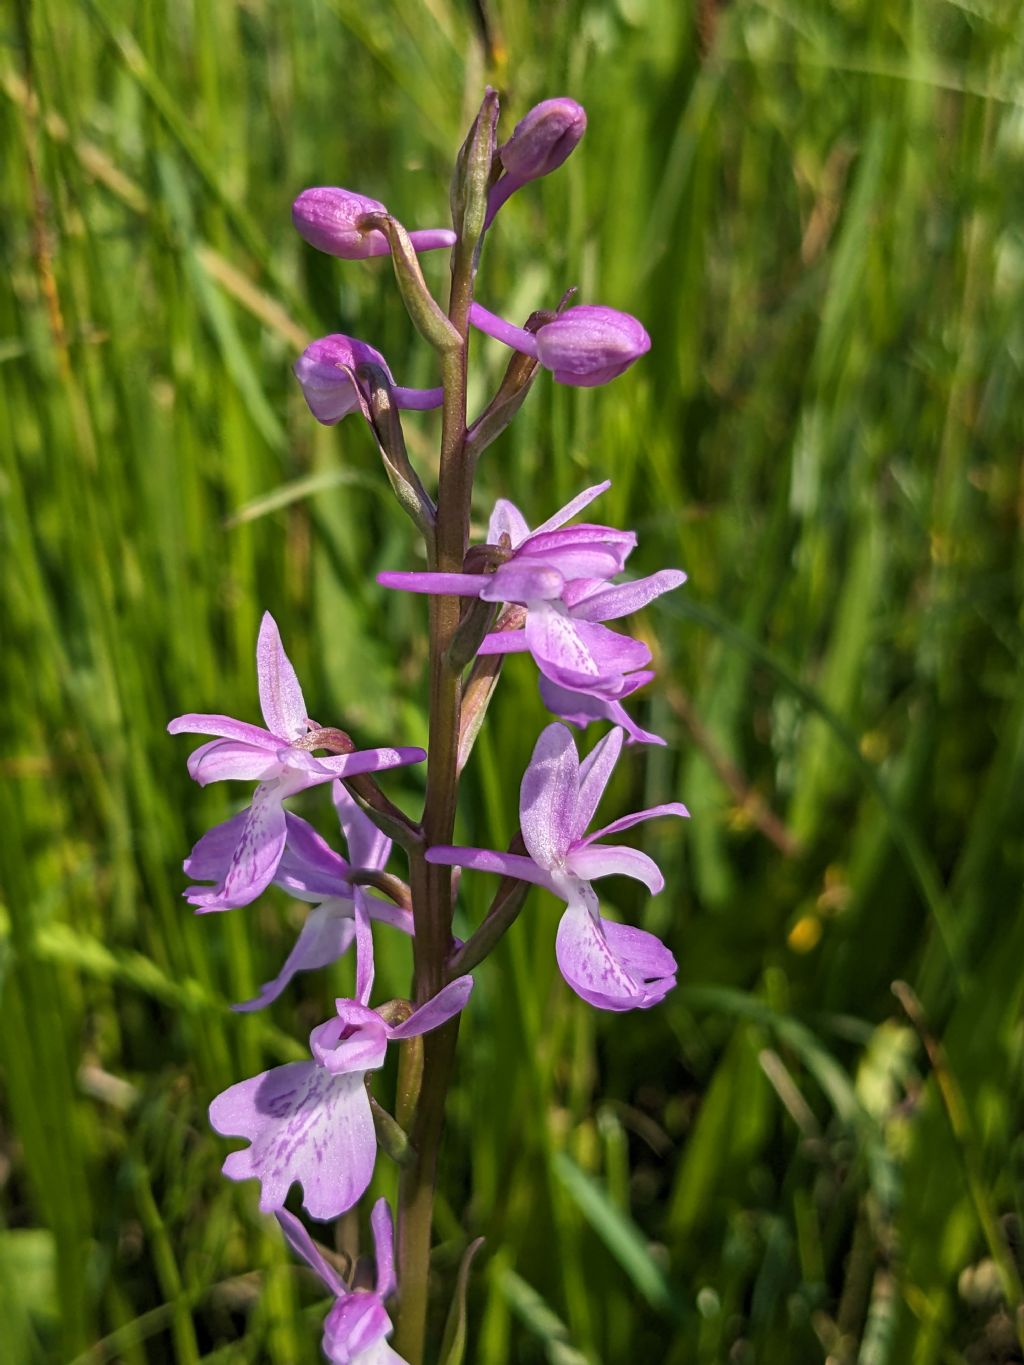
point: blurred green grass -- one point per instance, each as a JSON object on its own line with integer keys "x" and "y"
{"x": 816, "y": 209}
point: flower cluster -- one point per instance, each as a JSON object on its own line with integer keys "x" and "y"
{"x": 548, "y": 592}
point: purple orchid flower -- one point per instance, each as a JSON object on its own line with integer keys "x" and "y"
{"x": 584, "y": 346}
{"x": 276, "y": 759}
{"x": 324, "y": 374}
{"x": 328, "y": 218}
{"x": 540, "y": 142}
{"x": 310, "y": 870}
{"x": 561, "y": 577}
{"x": 613, "y": 966}
{"x": 580, "y": 708}
{"x": 357, "y": 1327}
{"x": 311, "y": 1121}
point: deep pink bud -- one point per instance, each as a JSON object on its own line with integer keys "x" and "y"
{"x": 590, "y": 345}
{"x": 328, "y": 390}
{"x": 327, "y": 218}
{"x": 543, "y": 138}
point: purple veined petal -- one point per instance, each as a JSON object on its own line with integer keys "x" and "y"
{"x": 364, "y": 947}
{"x": 355, "y": 1331}
{"x": 519, "y": 581}
{"x": 369, "y": 761}
{"x": 437, "y": 1011}
{"x": 224, "y": 727}
{"x": 383, "y": 1229}
{"x": 580, "y": 708}
{"x": 367, "y": 845}
{"x": 255, "y": 857}
{"x": 573, "y": 507}
{"x": 504, "y": 642}
{"x": 582, "y": 654}
{"x": 325, "y": 937}
{"x": 230, "y": 760}
{"x": 587, "y": 959}
{"x": 591, "y": 861}
{"x": 303, "y": 1245}
{"x": 211, "y": 854}
{"x": 489, "y": 860}
{"x": 642, "y": 954}
{"x": 437, "y": 584}
{"x": 628, "y": 821}
{"x": 612, "y": 603}
{"x": 281, "y": 700}
{"x": 595, "y": 773}
{"x": 506, "y": 519}
{"x": 356, "y": 1040}
{"x": 548, "y": 795}
{"x": 305, "y": 1125}
{"x": 309, "y": 868}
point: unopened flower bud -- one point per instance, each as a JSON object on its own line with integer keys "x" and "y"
{"x": 328, "y": 218}
{"x": 590, "y": 344}
{"x": 543, "y": 138}
{"x": 323, "y": 372}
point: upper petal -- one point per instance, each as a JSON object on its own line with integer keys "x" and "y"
{"x": 573, "y": 506}
{"x": 611, "y": 603}
{"x": 232, "y": 760}
{"x": 628, "y": 821}
{"x": 607, "y": 860}
{"x": 595, "y": 771}
{"x": 355, "y": 1330}
{"x": 281, "y": 700}
{"x": 224, "y": 727}
{"x": 355, "y": 1040}
{"x": 506, "y": 519}
{"x": 548, "y": 795}
{"x": 305, "y": 1125}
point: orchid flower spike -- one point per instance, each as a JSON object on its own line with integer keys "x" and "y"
{"x": 311, "y": 871}
{"x": 540, "y": 142}
{"x": 584, "y": 346}
{"x": 613, "y": 966}
{"x": 311, "y": 1121}
{"x": 357, "y": 1327}
{"x": 328, "y": 218}
{"x": 561, "y": 577}
{"x": 324, "y": 371}
{"x": 249, "y": 849}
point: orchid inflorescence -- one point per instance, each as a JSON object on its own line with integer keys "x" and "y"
{"x": 547, "y": 592}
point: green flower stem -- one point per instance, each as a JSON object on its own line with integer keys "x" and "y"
{"x": 432, "y": 885}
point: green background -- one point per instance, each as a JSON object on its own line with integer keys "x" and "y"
{"x": 816, "y": 209}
